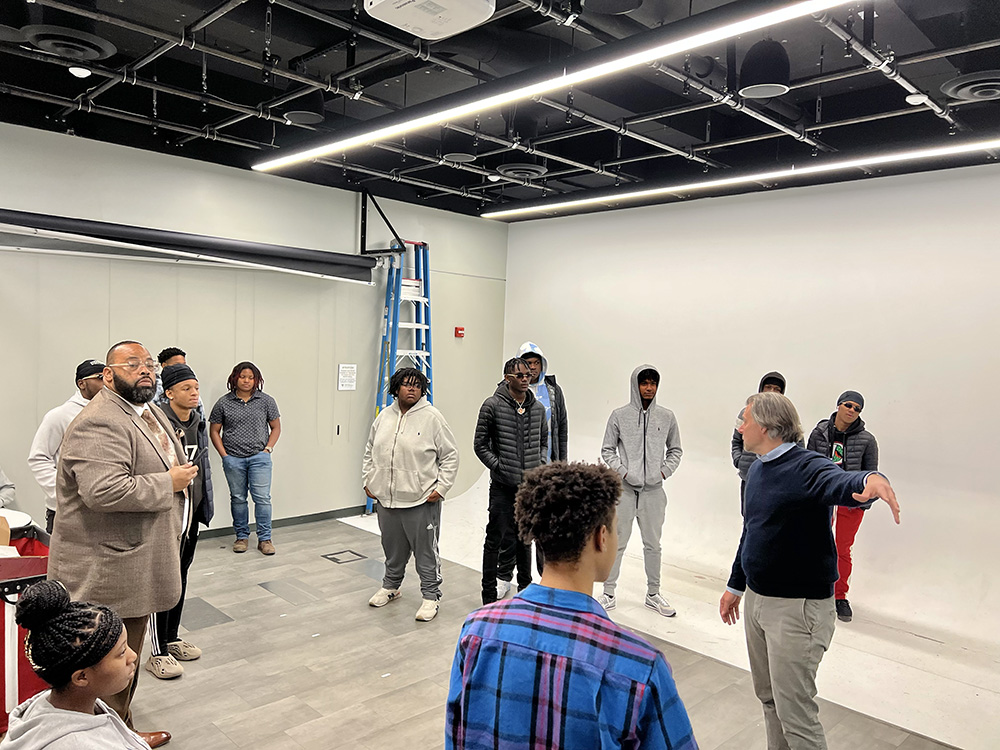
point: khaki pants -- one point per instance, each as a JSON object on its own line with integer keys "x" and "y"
{"x": 121, "y": 702}
{"x": 786, "y": 640}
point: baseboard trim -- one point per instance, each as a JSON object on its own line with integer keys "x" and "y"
{"x": 326, "y": 515}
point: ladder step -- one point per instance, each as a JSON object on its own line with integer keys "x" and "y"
{"x": 423, "y": 300}
{"x": 411, "y": 353}
{"x": 421, "y": 326}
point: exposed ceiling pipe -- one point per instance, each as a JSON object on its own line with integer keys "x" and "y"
{"x": 157, "y": 51}
{"x": 97, "y": 109}
{"x": 192, "y": 44}
{"x": 887, "y": 65}
{"x": 396, "y": 177}
{"x": 113, "y": 75}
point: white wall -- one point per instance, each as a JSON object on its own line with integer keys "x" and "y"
{"x": 885, "y": 286}
{"x": 56, "y": 311}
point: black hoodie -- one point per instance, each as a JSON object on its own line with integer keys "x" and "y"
{"x": 742, "y": 459}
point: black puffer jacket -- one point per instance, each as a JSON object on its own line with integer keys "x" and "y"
{"x": 509, "y": 443}
{"x": 860, "y": 446}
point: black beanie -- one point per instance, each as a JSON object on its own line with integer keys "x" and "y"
{"x": 854, "y": 396}
{"x": 176, "y": 374}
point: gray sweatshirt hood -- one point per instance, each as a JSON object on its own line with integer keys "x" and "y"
{"x": 37, "y": 724}
{"x": 635, "y": 399}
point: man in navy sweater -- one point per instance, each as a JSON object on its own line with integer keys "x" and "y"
{"x": 787, "y": 565}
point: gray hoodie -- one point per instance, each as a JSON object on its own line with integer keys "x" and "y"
{"x": 643, "y": 446}
{"x": 38, "y": 725}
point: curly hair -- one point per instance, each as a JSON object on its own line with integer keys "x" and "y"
{"x": 561, "y": 505}
{"x": 234, "y": 376}
{"x": 408, "y": 376}
{"x": 63, "y": 635}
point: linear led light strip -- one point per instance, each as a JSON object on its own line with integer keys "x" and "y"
{"x": 755, "y": 23}
{"x": 870, "y": 161}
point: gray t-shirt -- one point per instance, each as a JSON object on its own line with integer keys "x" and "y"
{"x": 245, "y": 428}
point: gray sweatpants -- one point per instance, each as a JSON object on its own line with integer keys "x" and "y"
{"x": 650, "y": 508}
{"x": 416, "y": 530}
{"x": 786, "y": 640}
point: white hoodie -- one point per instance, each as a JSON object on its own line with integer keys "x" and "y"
{"x": 409, "y": 456}
{"x": 38, "y": 725}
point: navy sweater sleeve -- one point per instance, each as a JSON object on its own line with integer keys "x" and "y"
{"x": 787, "y": 548}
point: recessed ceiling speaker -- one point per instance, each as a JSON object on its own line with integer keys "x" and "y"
{"x": 68, "y": 43}
{"x": 765, "y": 71}
{"x": 522, "y": 170}
{"x": 308, "y": 109}
{"x": 432, "y": 19}
{"x": 983, "y": 86}
{"x": 611, "y": 7}
{"x": 457, "y": 146}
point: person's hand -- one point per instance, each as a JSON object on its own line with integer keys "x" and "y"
{"x": 434, "y": 497}
{"x": 729, "y": 608}
{"x": 367, "y": 492}
{"x": 182, "y": 476}
{"x": 877, "y": 486}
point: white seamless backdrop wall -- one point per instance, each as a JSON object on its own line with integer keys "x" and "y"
{"x": 886, "y": 286}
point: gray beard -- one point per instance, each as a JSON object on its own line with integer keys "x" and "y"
{"x": 134, "y": 394}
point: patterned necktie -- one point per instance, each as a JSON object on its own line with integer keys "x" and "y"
{"x": 161, "y": 435}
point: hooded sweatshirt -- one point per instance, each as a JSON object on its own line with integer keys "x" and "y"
{"x": 409, "y": 456}
{"x": 549, "y": 395}
{"x": 38, "y": 725}
{"x": 642, "y": 445}
{"x": 743, "y": 459}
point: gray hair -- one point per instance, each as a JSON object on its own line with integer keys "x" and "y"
{"x": 776, "y": 414}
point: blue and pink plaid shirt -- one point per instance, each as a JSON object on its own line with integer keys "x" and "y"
{"x": 548, "y": 669}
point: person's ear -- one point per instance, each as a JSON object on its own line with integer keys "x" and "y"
{"x": 80, "y": 679}
{"x": 601, "y": 540}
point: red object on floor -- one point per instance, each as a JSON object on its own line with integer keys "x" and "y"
{"x": 848, "y": 522}
{"x": 34, "y": 562}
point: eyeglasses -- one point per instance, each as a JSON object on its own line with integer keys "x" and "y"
{"x": 849, "y": 405}
{"x": 520, "y": 375}
{"x": 133, "y": 364}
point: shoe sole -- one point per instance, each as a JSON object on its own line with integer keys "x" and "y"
{"x": 159, "y": 676}
{"x": 418, "y": 618}
{"x": 844, "y": 619}
{"x": 657, "y": 610}
{"x": 610, "y": 606}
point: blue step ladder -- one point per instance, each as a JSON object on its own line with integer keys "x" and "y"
{"x": 406, "y": 324}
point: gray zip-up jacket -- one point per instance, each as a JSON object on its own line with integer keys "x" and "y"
{"x": 643, "y": 446}
{"x": 409, "y": 456}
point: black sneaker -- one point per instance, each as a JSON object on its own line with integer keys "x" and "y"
{"x": 844, "y": 611}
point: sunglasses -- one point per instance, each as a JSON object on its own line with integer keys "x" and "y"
{"x": 852, "y": 406}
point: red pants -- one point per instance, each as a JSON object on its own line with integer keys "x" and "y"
{"x": 848, "y": 521}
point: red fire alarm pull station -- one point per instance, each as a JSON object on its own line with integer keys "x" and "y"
{"x": 459, "y": 332}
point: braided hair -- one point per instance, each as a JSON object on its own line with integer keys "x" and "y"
{"x": 64, "y": 636}
{"x": 511, "y": 365}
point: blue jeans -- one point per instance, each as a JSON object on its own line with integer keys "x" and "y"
{"x": 253, "y": 473}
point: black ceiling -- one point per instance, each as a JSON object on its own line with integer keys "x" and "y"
{"x": 198, "y": 82}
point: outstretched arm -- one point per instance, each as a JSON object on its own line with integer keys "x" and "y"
{"x": 878, "y": 487}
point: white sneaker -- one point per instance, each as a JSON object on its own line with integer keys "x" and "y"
{"x": 503, "y": 588}
{"x": 660, "y": 605}
{"x": 428, "y": 610}
{"x": 607, "y": 601}
{"x": 164, "y": 667}
{"x": 383, "y": 596}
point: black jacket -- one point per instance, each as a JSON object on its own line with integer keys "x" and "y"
{"x": 860, "y": 446}
{"x": 559, "y": 425}
{"x": 206, "y": 509}
{"x": 743, "y": 459}
{"x": 509, "y": 443}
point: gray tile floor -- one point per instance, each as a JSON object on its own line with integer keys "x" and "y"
{"x": 294, "y": 658}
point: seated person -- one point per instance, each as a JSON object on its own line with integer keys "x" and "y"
{"x": 549, "y": 665}
{"x": 81, "y": 651}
